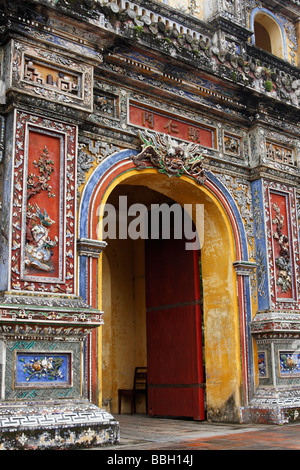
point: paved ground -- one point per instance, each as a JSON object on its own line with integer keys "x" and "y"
{"x": 141, "y": 432}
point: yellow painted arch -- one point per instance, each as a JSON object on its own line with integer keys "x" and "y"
{"x": 221, "y": 315}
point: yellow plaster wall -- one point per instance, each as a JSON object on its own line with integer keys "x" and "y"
{"x": 222, "y": 356}
{"x": 274, "y": 32}
{"x": 276, "y": 36}
{"x": 124, "y": 331}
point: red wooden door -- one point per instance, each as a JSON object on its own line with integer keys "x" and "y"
{"x": 174, "y": 334}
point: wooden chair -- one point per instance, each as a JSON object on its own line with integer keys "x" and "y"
{"x": 139, "y": 388}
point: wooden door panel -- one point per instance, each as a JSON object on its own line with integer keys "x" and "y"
{"x": 179, "y": 403}
{"x": 168, "y": 267}
{"x": 167, "y": 341}
{"x": 174, "y": 335}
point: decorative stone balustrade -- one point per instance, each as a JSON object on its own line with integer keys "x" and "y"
{"x": 179, "y": 35}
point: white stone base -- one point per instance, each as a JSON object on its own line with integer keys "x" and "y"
{"x": 56, "y": 425}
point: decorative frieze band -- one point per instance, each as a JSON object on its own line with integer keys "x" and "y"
{"x": 33, "y": 314}
{"x": 276, "y": 324}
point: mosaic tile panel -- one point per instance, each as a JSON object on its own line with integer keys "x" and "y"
{"x": 260, "y": 246}
{"x": 289, "y": 363}
{"x": 262, "y": 365}
{"x": 41, "y": 369}
{"x": 282, "y": 246}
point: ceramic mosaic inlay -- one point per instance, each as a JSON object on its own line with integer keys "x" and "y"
{"x": 170, "y": 157}
{"x": 289, "y": 364}
{"x": 36, "y": 369}
{"x": 282, "y": 245}
{"x": 44, "y": 369}
{"x": 262, "y": 364}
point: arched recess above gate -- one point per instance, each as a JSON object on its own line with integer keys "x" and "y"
{"x": 121, "y": 163}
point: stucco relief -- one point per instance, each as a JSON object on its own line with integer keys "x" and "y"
{"x": 280, "y": 213}
{"x": 51, "y": 75}
{"x": 42, "y": 256}
{"x": 90, "y": 154}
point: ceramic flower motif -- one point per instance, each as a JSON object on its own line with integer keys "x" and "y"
{"x": 44, "y": 367}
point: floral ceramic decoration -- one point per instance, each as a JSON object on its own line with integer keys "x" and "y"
{"x": 35, "y": 368}
{"x": 289, "y": 363}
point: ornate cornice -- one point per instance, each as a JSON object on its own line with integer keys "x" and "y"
{"x": 274, "y": 325}
{"x": 244, "y": 268}
{"x": 250, "y": 70}
{"x": 45, "y": 310}
{"x": 231, "y": 27}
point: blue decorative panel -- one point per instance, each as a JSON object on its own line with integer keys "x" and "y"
{"x": 262, "y": 364}
{"x": 289, "y": 364}
{"x": 42, "y": 369}
{"x": 260, "y": 246}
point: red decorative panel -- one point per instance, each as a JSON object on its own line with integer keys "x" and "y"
{"x": 44, "y": 227}
{"x": 176, "y": 128}
{"x": 44, "y": 206}
{"x": 282, "y": 245}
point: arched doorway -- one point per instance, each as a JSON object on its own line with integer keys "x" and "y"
{"x": 124, "y": 334}
{"x": 269, "y": 33}
{"x": 154, "y": 309}
{"x": 262, "y": 36}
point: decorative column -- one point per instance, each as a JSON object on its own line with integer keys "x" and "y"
{"x": 276, "y": 326}
{"x": 245, "y": 271}
{"x": 44, "y": 324}
{"x": 277, "y": 398}
{"x": 89, "y": 252}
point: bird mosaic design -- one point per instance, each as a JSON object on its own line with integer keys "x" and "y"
{"x": 38, "y": 253}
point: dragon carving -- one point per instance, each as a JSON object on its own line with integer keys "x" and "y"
{"x": 170, "y": 157}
